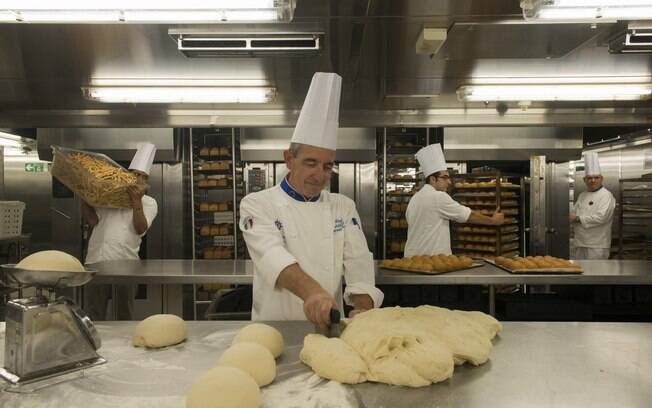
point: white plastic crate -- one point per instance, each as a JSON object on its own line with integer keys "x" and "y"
{"x": 224, "y": 217}
{"x": 223, "y": 240}
{"x": 11, "y": 218}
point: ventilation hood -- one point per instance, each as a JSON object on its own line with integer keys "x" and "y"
{"x": 118, "y": 144}
{"x": 636, "y": 39}
{"x": 212, "y": 43}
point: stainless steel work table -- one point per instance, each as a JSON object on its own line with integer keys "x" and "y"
{"x": 172, "y": 271}
{"x": 158, "y": 271}
{"x": 532, "y": 364}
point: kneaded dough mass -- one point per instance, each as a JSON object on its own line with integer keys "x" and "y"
{"x": 224, "y": 387}
{"x": 251, "y": 358}
{"x": 333, "y": 359}
{"x": 160, "y": 330}
{"x": 263, "y": 334}
{"x": 51, "y": 261}
{"x": 413, "y": 347}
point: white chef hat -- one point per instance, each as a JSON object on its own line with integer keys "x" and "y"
{"x": 143, "y": 158}
{"x": 591, "y": 164}
{"x": 431, "y": 159}
{"x": 319, "y": 118}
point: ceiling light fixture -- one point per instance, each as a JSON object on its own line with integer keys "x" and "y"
{"x": 586, "y": 10}
{"x": 178, "y": 94}
{"x": 145, "y": 11}
{"x": 554, "y": 92}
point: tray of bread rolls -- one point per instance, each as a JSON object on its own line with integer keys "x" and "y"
{"x": 536, "y": 265}
{"x": 430, "y": 265}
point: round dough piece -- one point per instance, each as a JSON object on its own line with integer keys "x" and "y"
{"x": 51, "y": 261}
{"x": 252, "y": 358}
{"x": 224, "y": 387}
{"x": 262, "y": 334}
{"x": 160, "y": 330}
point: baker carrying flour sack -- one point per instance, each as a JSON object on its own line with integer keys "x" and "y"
{"x": 117, "y": 234}
{"x": 302, "y": 239}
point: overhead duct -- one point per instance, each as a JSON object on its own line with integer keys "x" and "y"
{"x": 208, "y": 44}
{"x": 118, "y": 143}
{"x": 636, "y": 39}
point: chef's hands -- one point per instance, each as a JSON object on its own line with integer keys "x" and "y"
{"x": 317, "y": 308}
{"x": 498, "y": 218}
{"x": 136, "y": 193}
{"x": 572, "y": 217}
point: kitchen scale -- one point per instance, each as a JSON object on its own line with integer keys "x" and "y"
{"x": 46, "y": 337}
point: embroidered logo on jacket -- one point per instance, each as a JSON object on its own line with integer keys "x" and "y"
{"x": 247, "y": 222}
{"x": 279, "y": 225}
{"x": 339, "y": 225}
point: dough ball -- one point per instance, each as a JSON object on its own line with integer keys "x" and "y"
{"x": 51, "y": 261}
{"x": 224, "y": 387}
{"x": 160, "y": 330}
{"x": 333, "y": 359}
{"x": 251, "y": 358}
{"x": 262, "y": 334}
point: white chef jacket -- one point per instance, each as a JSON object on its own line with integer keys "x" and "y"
{"x": 114, "y": 237}
{"x": 324, "y": 236}
{"x": 595, "y": 211}
{"x": 428, "y": 216}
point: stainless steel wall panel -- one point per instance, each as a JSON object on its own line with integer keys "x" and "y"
{"x": 366, "y": 196}
{"x": 538, "y": 216}
{"x": 557, "y": 210}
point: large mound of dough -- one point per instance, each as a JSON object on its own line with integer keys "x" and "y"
{"x": 251, "y": 358}
{"x": 224, "y": 387}
{"x": 262, "y": 334}
{"x": 414, "y": 347}
{"x": 331, "y": 358}
{"x": 51, "y": 261}
{"x": 160, "y": 330}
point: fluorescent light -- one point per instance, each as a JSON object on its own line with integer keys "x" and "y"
{"x": 554, "y": 92}
{"x": 9, "y": 140}
{"x": 586, "y": 10}
{"x": 145, "y": 11}
{"x": 179, "y": 94}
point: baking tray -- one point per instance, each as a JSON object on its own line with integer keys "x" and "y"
{"x": 538, "y": 271}
{"x": 394, "y": 268}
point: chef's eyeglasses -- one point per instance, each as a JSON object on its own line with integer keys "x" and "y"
{"x": 444, "y": 177}
{"x": 592, "y": 178}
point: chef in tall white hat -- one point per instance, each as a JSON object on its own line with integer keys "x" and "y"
{"x": 305, "y": 242}
{"x": 431, "y": 209}
{"x": 117, "y": 232}
{"x": 592, "y": 214}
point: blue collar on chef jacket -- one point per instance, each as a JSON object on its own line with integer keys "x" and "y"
{"x": 295, "y": 194}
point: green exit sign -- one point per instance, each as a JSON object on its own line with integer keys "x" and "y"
{"x": 34, "y": 167}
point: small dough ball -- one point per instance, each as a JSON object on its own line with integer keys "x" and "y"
{"x": 224, "y": 387}
{"x": 262, "y": 334}
{"x": 253, "y": 359}
{"x": 160, "y": 330}
{"x": 51, "y": 261}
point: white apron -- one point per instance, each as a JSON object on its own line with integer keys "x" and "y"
{"x": 593, "y": 231}
{"x": 428, "y": 215}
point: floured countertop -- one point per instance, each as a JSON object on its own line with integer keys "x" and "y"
{"x": 532, "y": 364}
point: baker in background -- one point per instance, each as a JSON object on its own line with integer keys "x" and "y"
{"x": 302, "y": 239}
{"x": 431, "y": 209}
{"x": 117, "y": 233}
{"x": 592, "y": 214}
